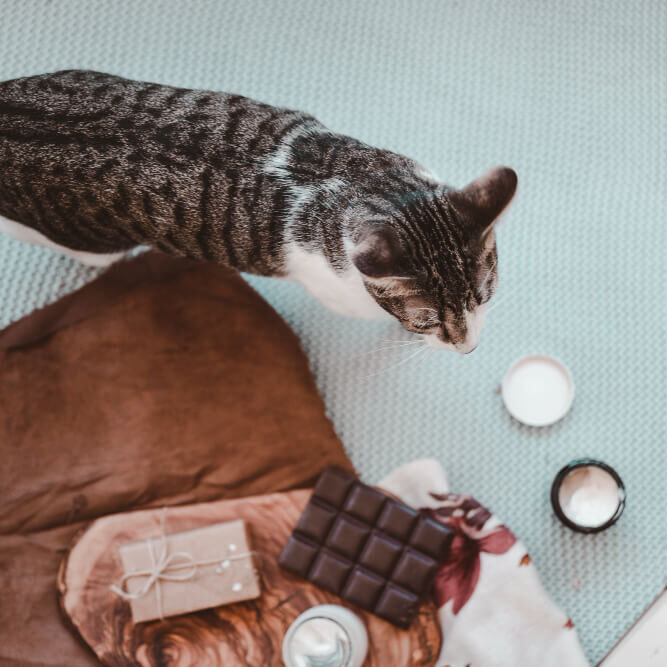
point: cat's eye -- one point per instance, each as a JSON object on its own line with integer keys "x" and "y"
{"x": 423, "y": 326}
{"x": 421, "y": 319}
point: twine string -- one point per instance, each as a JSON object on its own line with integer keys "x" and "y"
{"x": 166, "y": 567}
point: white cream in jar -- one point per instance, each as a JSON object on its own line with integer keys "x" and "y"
{"x": 328, "y": 635}
{"x": 588, "y": 495}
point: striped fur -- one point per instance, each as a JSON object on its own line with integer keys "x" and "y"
{"x": 100, "y": 164}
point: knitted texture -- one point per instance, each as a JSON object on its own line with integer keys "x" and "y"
{"x": 570, "y": 94}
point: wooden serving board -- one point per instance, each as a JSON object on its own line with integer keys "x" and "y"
{"x": 244, "y": 634}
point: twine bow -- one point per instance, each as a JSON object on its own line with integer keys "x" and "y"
{"x": 165, "y": 567}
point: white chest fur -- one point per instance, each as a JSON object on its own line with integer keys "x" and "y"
{"x": 344, "y": 293}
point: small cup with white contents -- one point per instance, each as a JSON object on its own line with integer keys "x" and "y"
{"x": 588, "y": 496}
{"x": 327, "y": 635}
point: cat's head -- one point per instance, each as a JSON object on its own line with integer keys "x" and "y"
{"x": 432, "y": 263}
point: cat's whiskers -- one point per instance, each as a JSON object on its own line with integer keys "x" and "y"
{"x": 488, "y": 273}
{"x": 394, "y": 345}
{"x": 398, "y": 342}
{"x": 421, "y": 350}
{"x": 401, "y": 340}
{"x": 386, "y": 348}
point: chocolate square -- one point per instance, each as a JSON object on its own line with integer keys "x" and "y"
{"x": 397, "y": 605}
{"x": 362, "y": 588}
{"x": 432, "y": 537}
{"x": 397, "y": 520}
{"x": 414, "y": 571}
{"x": 364, "y": 502}
{"x": 298, "y": 555}
{"x": 333, "y": 485}
{"x": 347, "y": 536}
{"x": 380, "y": 553}
{"x": 315, "y": 521}
{"x": 329, "y": 571}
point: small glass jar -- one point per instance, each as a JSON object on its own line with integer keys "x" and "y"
{"x": 328, "y": 635}
{"x": 574, "y": 482}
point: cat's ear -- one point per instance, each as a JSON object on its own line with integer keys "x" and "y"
{"x": 483, "y": 200}
{"x": 379, "y": 254}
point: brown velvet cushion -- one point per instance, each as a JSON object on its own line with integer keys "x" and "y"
{"x": 163, "y": 382}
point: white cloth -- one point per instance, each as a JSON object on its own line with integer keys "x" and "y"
{"x": 493, "y": 609}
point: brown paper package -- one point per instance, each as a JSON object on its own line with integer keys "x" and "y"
{"x": 163, "y": 382}
{"x": 219, "y": 569}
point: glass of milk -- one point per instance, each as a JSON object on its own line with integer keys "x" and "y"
{"x": 328, "y": 635}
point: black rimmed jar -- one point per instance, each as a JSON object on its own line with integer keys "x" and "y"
{"x": 572, "y": 468}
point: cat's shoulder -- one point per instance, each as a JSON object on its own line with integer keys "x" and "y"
{"x": 342, "y": 290}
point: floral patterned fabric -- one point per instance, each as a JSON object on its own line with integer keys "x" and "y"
{"x": 493, "y": 608}
{"x": 457, "y": 579}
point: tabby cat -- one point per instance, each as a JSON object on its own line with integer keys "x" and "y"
{"x": 93, "y": 165}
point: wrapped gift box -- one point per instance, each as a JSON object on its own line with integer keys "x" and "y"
{"x": 184, "y": 572}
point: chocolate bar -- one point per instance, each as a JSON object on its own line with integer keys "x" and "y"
{"x": 366, "y": 547}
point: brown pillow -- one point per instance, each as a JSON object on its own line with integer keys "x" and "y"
{"x": 163, "y": 382}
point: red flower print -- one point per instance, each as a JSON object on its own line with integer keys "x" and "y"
{"x": 457, "y": 578}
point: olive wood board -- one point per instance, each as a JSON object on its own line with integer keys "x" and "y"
{"x": 245, "y": 633}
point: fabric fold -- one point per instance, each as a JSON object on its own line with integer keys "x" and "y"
{"x": 493, "y": 608}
